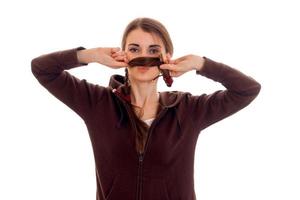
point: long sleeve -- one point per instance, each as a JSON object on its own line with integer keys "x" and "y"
{"x": 240, "y": 91}
{"x": 50, "y": 70}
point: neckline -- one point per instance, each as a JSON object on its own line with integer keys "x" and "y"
{"x": 149, "y": 119}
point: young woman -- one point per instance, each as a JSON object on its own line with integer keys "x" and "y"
{"x": 143, "y": 140}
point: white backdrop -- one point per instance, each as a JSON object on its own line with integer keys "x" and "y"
{"x": 45, "y": 151}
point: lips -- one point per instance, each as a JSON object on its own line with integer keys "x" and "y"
{"x": 143, "y": 68}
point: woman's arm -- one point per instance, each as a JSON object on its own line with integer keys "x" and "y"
{"x": 240, "y": 91}
{"x": 204, "y": 110}
{"x": 80, "y": 95}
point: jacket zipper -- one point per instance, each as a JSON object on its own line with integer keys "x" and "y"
{"x": 140, "y": 160}
{"x": 142, "y": 155}
{"x": 139, "y": 189}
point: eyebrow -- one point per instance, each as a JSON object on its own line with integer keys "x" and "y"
{"x": 153, "y": 45}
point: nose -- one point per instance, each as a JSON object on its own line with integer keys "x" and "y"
{"x": 144, "y": 53}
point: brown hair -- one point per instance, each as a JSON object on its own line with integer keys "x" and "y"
{"x": 151, "y": 26}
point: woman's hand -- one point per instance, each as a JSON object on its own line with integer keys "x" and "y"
{"x": 108, "y": 56}
{"x": 183, "y": 64}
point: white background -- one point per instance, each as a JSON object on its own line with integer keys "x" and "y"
{"x": 45, "y": 151}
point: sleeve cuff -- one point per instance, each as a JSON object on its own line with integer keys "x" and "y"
{"x": 200, "y": 72}
{"x": 78, "y": 49}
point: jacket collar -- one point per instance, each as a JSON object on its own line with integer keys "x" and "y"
{"x": 168, "y": 99}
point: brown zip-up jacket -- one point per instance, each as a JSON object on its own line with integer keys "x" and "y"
{"x": 165, "y": 170}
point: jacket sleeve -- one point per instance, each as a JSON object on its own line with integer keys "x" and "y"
{"x": 50, "y": 70}
{"x": 240, "y": 91}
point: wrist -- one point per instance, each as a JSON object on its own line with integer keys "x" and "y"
{"x": 82, "y": 56}
{"x": 200, "y": 63}
{"x": 87, "y": 55}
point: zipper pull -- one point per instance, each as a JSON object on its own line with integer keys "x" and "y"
{"x": 141, "y": 157}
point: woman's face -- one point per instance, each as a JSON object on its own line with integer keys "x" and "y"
{"x": 143, "y": 44}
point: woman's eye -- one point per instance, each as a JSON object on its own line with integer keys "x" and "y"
{"x": 133, "y": 50}
{"x": 154, "y": 51}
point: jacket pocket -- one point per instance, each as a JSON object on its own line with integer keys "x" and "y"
{"x": 154, "y": 189}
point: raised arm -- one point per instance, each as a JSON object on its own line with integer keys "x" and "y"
{"x": 240, "y": 91}
{"x": 204, "y": 109}
{"x": 79, "y": 95}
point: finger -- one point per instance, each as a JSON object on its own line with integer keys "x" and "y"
{"x": 120, "y": 58}
{"x": 115, "y": 49}
{"x": 172, "y": 62}
{"x": 120, "y": 53}
{"x": 169, "y": 67}
{"x": 165, "y": 59}
{"x": 119, "y": 64}
{"x": 168, "y": 57}
{"x": 126, "y": 60}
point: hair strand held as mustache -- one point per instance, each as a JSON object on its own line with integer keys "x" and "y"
{"x": 152, "y": 62}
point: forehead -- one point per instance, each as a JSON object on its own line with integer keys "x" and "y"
{"x": 143, "y": 38}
